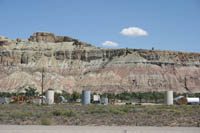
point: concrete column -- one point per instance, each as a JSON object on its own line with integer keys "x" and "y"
{"x": 169, "y": 97}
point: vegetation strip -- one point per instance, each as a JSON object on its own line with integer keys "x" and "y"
{"x": 108, "y": 115}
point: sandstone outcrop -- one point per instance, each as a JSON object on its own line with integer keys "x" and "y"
{"x": 49, "y": 37}
{"x": 72, "y": 65}
{"x": 42, "y": 37}
{"x": 3, "y": 41}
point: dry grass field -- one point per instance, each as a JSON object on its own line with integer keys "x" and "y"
{"x": 98, "y": 115}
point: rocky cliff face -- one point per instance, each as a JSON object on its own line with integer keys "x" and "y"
{"x": 72, "y": 65}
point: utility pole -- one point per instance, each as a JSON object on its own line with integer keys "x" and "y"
{"x": 42, "y": 83}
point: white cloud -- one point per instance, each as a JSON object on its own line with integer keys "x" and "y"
{"x": 110, "y": 44}
{"x": 133, "y": 32}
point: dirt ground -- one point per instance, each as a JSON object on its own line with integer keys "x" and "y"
{"x": 94, "y": 129}
{"x": 101, "y": 115}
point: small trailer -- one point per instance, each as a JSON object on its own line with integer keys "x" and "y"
{"x": 193, "y": 100}
{"x": 187, "y": 100}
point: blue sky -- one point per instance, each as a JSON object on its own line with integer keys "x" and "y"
{"x": 169, "y": 24}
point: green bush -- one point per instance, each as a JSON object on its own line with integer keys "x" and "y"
{"x": 57, "y": 112}
{"x": 97, "y": 109}
{"x": 45, "y": 121}
{"x": 109, "y": 109}
{"x": 67, "y": 113}
{"x": 20, "y": 114}
{"x": 116, "y": 111}
{"x": 5, "y": 94}
{"x": 31, "y": 92}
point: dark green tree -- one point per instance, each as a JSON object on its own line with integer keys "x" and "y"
{"x": 147, "y": 96}
{"x": 157, "y": 96}
{"x": 31, "y": 92}
{"x": 75, "y": 95}
{"x": 139, "y": 96}
{"x": 5, "y": 94}
{"x": 197, "y": 95}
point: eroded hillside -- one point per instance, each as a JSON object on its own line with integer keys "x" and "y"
{"x": 72, "y": 65}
